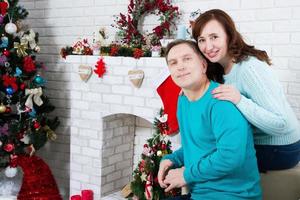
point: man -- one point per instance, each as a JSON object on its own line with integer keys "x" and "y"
{"x": 217, "y": 158}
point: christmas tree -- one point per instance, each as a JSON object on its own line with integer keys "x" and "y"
{"x": 145, "y": 185}
{"x": 24, "y": 126}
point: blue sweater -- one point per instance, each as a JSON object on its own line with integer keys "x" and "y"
{"x": 263, "y": 103}
{"x": 217, "y": 150}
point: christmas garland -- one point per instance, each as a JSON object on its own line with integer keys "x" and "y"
{"x": 128, "y": 24}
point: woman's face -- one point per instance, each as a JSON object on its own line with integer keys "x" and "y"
{"x": 212, "y": 42}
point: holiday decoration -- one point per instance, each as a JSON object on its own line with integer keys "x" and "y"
{"x": 82, "y": 47}
{"x": 24, "y": 123}
{"x": 100, "y": 67}
{"x": 38, "y": 181}
{"x": 145, "y": 185}
{"x": 85, "y": 72}
{"x": 87, "y": 195}
{"x": 128, "y": 23}
{"x": 11, "y": 172}
{"x": 136, "y": 77}
{"x": 168, "y": 92}
{"x": 10, "y": 28}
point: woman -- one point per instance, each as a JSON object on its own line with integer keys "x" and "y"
{"x": 251, "y": 86}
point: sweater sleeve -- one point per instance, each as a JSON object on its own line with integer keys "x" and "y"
{"x": 265, "y": 106}
{"x": 231, "y": 132}
{"x": 176, "y": 158}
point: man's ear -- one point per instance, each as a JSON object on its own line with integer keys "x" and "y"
{"x": 204, "y": 63}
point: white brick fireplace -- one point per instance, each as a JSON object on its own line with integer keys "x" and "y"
{"x": 110, "y": 121}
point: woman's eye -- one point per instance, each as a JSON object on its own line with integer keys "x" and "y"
{"x": 214, "y": 37}
{"x": 200, "y": 40}
{"x": 187, "y": 59}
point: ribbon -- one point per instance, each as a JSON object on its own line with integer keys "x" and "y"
{"x": 50, "y": 133}
{"x": 29, "y": 39}
{"x": 35, "y": 96}
{"x": 148, "y": 188}
{"x": 21, "y": 49}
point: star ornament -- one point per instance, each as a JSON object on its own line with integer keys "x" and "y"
{"x": 100, "y": 67}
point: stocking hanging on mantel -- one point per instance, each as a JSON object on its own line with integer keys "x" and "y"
{"x": 38, "y": 182}
{"x": 168, "y": 92}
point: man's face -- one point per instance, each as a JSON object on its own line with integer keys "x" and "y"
{"x": 186, "y": 67}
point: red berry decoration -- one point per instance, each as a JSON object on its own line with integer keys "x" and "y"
{"x": 163, "y": 146}
{"x": 8, "y": 109}
{"x": 6, "y": 53}
{"x": 22, "y": 86}
{"x": 36, "y": 125}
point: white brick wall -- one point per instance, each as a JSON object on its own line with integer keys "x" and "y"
{"x": 270, "y": 24}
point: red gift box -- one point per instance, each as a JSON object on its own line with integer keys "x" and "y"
{"x": 76, "y": 197}
{"x": 87, "y": 195}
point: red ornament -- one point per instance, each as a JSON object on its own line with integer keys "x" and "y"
{"x": 8, "y": 109}
{"x": 100, "y": 67}
{"x": 6, "y": 53}
{"x": 36, "y": 125}
{"x": 9, "y": 147}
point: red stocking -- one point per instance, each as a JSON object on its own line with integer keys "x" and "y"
{"x": 168, "y": 92}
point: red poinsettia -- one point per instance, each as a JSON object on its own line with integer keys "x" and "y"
{"x": 29, "y": 65}
{"x": 100, "y": 67}
{"x": 114, "y": 50}
{"x": 138, "y": 53}
{"x": 10, "y": 81}
{"x": 3, "y": 8}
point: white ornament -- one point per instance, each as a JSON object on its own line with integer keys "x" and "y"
{"x": 10, "y": 172}
{"x": 10, "y": 28}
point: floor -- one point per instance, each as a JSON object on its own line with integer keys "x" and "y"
{"x": 114, "y": 196}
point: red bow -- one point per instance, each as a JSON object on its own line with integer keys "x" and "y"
{"x": 29, "y": 65}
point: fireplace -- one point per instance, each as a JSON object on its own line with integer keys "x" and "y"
{"x": 110, "y": 121}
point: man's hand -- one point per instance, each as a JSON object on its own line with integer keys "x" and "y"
{"x": 174, "y": 179}
{"x": 164, "y": 166}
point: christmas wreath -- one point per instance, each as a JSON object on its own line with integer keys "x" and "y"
{"x": 128, "y": 24}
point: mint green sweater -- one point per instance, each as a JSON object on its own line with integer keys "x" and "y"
{"x": 263, "y": 103}
{"x": 217, "y": 150}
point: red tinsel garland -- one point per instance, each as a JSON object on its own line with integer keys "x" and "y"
{"x": 38, "y": 181}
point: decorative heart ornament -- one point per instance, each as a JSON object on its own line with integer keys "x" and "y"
{"x": 85, "y": 72}
{"x": 136, "y": 77}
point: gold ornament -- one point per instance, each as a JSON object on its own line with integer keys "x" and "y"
{"x": 159, "y": 153}
{"x": 2, "y": 108}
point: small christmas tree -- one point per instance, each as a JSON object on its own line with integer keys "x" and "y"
{"x": 24, "y": 127}
{"x": 145, "y": 185}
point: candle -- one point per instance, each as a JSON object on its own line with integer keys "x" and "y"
{"x": 181, "y": 33}
{"x": 76, "y": 197}
{"x": 87, "y": 195}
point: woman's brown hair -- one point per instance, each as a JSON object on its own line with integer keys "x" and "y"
{"x": 214, "y": 70}
{"x": 238, "y": 49}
